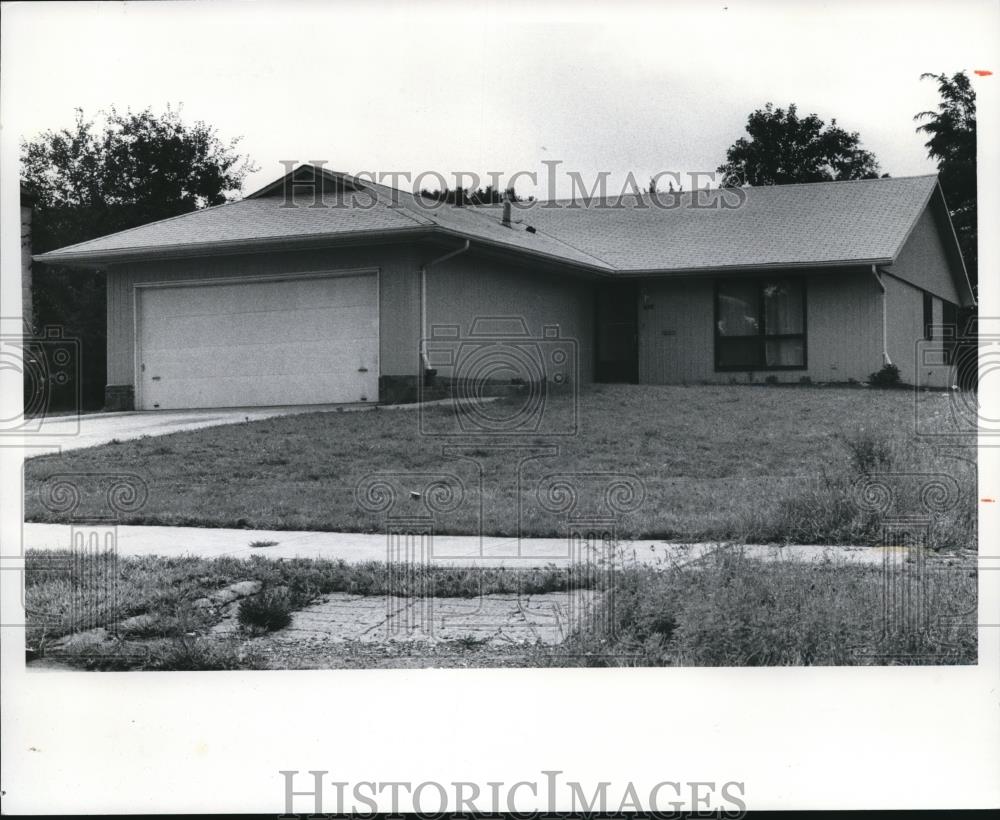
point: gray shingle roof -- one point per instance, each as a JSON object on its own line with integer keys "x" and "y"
{"x": 858, "y": 222}
{"x": 809, "y": 224}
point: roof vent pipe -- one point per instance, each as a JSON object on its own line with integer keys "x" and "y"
{"x": 505, "y": 220}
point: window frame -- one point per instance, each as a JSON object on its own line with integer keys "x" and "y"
{"x": 928, "y": 316}
{"x": 761, "y": 338}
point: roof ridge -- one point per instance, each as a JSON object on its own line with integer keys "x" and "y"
{"x": 548, "y": 235}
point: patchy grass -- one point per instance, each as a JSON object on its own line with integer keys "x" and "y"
{"x": 730, "y": 610}
{"x": 166, "y": 592}
{"x": 737, "y": 463}
{"x": 726, "y": 610}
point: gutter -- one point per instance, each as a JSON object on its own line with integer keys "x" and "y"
{"x": 876, "y": 272}
{"x": 423, "y": 298}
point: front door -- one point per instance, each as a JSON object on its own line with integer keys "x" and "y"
{"x": 617, "y": 345}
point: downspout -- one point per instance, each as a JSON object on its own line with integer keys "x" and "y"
{"x": 885, "y": 333}
{"x": 423, "y": 298}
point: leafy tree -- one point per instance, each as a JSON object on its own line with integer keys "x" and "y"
{"x": 92, "y": 179}
{"x": 783, "y": 148}
{"x": 482, "y": 196}
{"x": 951, "y": 132}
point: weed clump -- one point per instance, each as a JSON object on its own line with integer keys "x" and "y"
{"x": 268, "y": 611}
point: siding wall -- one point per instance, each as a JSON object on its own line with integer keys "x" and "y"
{"x": 905, "y": 337}
{"x": 843, "y": 327}
{"x": 470, "y": 286}
{"x": 399, "y": 296}
{"x": 923, "y": 261}
{"x": 843, "y": 309}
{"x": 458, "y": 291}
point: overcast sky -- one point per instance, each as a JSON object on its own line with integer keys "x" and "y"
{"x": 494, "y": 86}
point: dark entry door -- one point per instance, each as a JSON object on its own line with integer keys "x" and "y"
{"x": 617, "y": 345}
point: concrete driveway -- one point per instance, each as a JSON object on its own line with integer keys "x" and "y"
{"x": 62, "y": 433}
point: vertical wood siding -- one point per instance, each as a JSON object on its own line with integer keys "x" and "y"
{"x": 843, "y": 331}
{"x": 471, "y": 286}
{"x": 923, "y": 261}
{"x": 907, "y": 348}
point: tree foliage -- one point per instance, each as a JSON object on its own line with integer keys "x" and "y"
{"x": 783, "y": 148}
{"x": 951, "y": 132}
{"x": 134, "y": 168}
{"x": 96, "y": 178}
{"x": 481, "y": 196}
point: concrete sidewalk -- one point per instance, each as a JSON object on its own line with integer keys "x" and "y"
{"x": 446, "y": 550}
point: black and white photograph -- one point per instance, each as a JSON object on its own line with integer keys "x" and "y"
{"x": 600, "y": 349}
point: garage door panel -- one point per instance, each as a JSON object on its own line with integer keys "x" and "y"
{"x": 316, "y": 358}
{"x": 264, "y": 297}
{"x": 292, "y": 341}
{"x": 243, "y": 329}
{"x": 221, "y": 392}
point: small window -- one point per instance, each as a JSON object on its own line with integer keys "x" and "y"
{"x": 760, "y": 324}
{"x": 928, "y": 316}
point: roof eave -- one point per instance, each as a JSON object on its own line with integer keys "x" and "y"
{"x": 756, "y": 268}
{"x": 531, "y": 253}
{"x": 188, "y": 250}
{"x": 956, "y": 250}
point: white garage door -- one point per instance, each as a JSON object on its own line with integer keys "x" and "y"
{"x": 308, "y": 340}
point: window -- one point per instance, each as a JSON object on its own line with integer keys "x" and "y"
{"x": 928, "y": 316}
{"x": 760, "y": 324}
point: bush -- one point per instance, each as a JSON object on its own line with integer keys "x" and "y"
{"x": 888, "y": 376}
{"x": 267, "y": 611}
